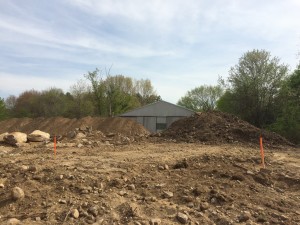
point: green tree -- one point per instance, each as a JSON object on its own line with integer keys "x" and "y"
{"x": 288, "y": 108}
{"x": 120, "y": 94}
{"x": 203, "y": 98}
{"x": 81, "y": 101}
{"x": 3, "y": 110}
{"x": 98, "y": 90}
{"x": 254, "y": 84}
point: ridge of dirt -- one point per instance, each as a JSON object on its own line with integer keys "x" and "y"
{"x": 218, "y": 127}
{"x": 61, "y": 125}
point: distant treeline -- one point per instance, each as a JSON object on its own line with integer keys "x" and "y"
{"x": 94, "y": 96}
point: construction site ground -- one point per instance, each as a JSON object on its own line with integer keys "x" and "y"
{"x": 150, "y": 181}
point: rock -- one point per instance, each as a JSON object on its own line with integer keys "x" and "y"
{"x": 71, "y": 134}
{"x": 38, "y": 218}
{"x": 79, "y": 145}
{"x": 17, "y": 193}
{"x": 94, "y": 210}
{"x": 182, "y": 218}
{"x": 249, "y": 172}
{"x": 204, "y": 206}
{"x": 166, "y": 167}
{"x": 13, "y": 221}
{"x": 122, "y": 193}
{"x": 1, "y": 185}
{"x": 38, "y": 136}
{"x": 155, "y": 221}
{"x": 75, "y": 213}
{"x": 2, "y": 136}
{"x": 168, "y": 194}
{"x": 244, "y": 216}
{"x": 15, "y": 138}
{"x": 62, "y": 201}
{"x": 80, "y": 135}
{"x": 131, "y": 187}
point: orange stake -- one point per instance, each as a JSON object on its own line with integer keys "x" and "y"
{"x": 262, "y": 152}
{"x": 54, "y": 145}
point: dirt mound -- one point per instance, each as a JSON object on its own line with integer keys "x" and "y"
{"x": 218, "y": 127}
{"x": 61, "y": 126}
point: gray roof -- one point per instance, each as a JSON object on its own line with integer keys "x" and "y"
{"x": 160, "y": 108}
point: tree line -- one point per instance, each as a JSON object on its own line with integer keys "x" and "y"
{"x": 97, "y": 95}
{"x": 259, "y": 89}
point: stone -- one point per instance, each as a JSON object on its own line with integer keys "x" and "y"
{"x": 204, "y": 206}
{"x": 245, "y": 216}
{"x": 13, "y": 221}
{"x": 2, "y": 136}
{"x": 15, "y": 138}
{"x": 71, "y": 134}
{"x": 17, "y": 193}
{"x": 38, "y": 136}
{"x": 75, "y": 213}
{"x": 168, "y": 194}
{"x": 182, "y": 218}
{"x": 94, "y": 210}
{"x": 62, "y": 201}
{"x": 1, "y": 185}
{"x": 122, "y": 193}
{"x": 80, "y": 135}
{"x": 155, "y": 221}
{"x": 79, "y": 145}
{"x": 131, "y": 187}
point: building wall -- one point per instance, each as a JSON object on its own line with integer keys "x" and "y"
{"x": 154, "y": 124}
{"x": 158, "y": 115}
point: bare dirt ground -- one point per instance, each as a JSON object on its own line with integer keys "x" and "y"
{"x": 150, "y": 182}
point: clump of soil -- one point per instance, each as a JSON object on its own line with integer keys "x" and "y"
{"x": 218, "y": 127}
{"x": 61, "y": 126}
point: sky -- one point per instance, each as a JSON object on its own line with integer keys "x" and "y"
{"x": 177, "y": 44}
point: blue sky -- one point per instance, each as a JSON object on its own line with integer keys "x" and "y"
{"x": 177, "y": 44}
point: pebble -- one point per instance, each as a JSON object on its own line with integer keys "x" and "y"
{"x": 168, "y": 194}
{"x": 122, "y": 193}
{"x": 244, "y": 216}
{"x": 131, "y": 187}
{"x": 62, "y": 201}
{"x": 182, "y": 218}
{"x": 1, "y": 185}
{"x": 17, "y": 193}
{"x": 155, "y": 221}
{"x": 204, "y": 206}
{"x": 75, "y": 213}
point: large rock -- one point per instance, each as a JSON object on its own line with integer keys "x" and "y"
{"x": 15, "y": 138}
{"x": 38, "y": 136}
{"x": 2, "y": 136}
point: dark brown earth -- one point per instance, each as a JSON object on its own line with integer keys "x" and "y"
{"x": 110, "y": 177}
{"x": 219, "y": 128}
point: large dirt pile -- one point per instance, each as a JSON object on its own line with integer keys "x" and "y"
{"x": 218, "y": 127}
{"x": 61, "y": 126}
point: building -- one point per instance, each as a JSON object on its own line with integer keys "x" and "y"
{"x": 158, "y": 115}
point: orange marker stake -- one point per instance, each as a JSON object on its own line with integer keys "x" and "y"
{"x": 262, "y": 152}
{"x": 54, "y": 145}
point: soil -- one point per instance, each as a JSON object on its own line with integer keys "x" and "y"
{"x": 113, "y": 176}
{"x": 61, "y": 126}
{"x": 217, "y": 128}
